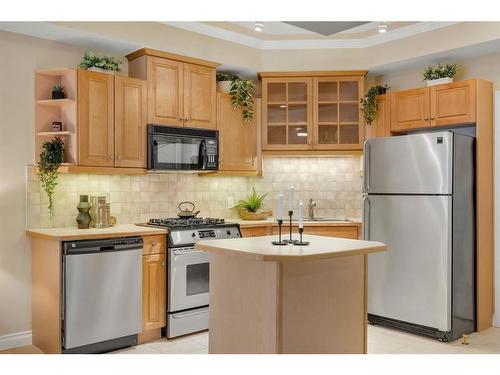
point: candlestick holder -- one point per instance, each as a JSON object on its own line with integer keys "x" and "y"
{"x": 290, "y": 214}
{"x": 280, "y": 242}
{"x": 299, "y": 242}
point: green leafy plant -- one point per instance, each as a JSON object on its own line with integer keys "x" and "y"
{"x": 51, "y": 158}
{"x": 253, "y": 202}
{"x": 241, "y": 92}
{"x": 90, "y": 60}
{"x": 58, "y": 88}
{"x": 369, "y": 102}
{"x": 440, "y": 71}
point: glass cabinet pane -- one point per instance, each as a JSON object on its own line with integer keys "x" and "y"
{"x": 349, "y": 134}
{"x": 327, "y": 113}
{"x": 327, "y": 134}
{"x": 327, "y": 91}
{"x": 349, "y": 91}
{"x": 297, "y": 113}
{"x": 297, "y": 92}
{"x": 276, "y": 92}
{"x": 276, "y": 113}
{"x": 349, "y": 112}
{"x": 276, "y": 135}
{"x": 297, "y": 135}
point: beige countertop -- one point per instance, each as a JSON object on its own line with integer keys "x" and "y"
{"x": 68, "y": 234}
{"x": 260, "y": 248}
{"x": 272, "y": 221}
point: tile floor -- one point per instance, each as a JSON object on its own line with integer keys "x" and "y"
{"x": 380, "y": 341}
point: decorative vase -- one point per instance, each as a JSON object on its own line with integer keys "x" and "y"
{"x": 83, "y": 217}
{"x": 57, "y": 94}
{"x": 224, "y": 86}
{"x": 101, "y": 70}
{"x": 439, "y": 81}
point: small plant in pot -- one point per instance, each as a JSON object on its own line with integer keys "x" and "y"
{"x": 439, "y": 74}
{"x": 241, "y": 91}
{"x": 106, "y": 64}
{"x": 249, "y": 208}
{"x": 58, "y": 92}
{"x": 51, "y": 158}
{"x": 369, "y": 102}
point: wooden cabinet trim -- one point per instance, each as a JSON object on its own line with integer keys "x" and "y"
{"x": 171, "y": 56}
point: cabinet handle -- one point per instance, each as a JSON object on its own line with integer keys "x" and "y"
{"x": 153, "y": 244}
{"x": 111, "y": 157}
{"x": 426, "y": 118}
{"x": 433, "y": 118}
{"x": 163, "y": 263}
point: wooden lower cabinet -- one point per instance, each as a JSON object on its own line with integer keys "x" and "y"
{"x": 154, "y": 288}
{"x": 256, "y": 231}
{"x": 343, "y": 231}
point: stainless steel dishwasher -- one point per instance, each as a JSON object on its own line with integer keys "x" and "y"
{"x": 102, "y": 294}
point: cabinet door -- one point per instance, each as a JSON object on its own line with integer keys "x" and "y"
{"x": 165, "y": 87}
{"x": 410, "y": 109}
{"x": 235, "y": 155}
{"x": 337, "y": 119}
{"x": 287, "y": 113}
{"x": 200, "y": 96}
{"x": 453, "y": 103}
{"x": 341, "y": 231}
{"x": 130, "y": 122}
{"x": 153, "y": 291}
{"x": 95, "y": 119}
{"x": 256, "y": 231}
{"x": 381, "y": 126}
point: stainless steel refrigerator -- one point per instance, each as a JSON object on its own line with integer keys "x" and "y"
{"x": 419, "y": 200}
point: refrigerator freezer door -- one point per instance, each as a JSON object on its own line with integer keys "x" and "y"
{"x": 411, "y": 281}
{"x": 410, "y": 164}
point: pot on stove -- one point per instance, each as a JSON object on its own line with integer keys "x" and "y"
{"x": 185, "y": 213}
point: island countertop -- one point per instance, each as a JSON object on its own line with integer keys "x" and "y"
{"x": 261, "y": 248}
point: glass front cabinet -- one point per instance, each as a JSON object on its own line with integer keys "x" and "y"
{"x": 313, "y": 112}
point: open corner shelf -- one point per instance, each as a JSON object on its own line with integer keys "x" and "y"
{"x": 55, "y": 102}
{"x": 55, "y": 72}
{"x": 50, "y": 134}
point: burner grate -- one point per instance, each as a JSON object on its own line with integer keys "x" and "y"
{"x": 175, "y": 222}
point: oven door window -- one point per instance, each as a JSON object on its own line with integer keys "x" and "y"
{"x": 197, "y": 279}
{"x": 177, "y": 152}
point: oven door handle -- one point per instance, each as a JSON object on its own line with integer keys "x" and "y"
{"x": 185, "y": 253}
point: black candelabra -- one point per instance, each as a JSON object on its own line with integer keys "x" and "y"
{"x": 290, "y": 215}
{"x": 299, "y": 242}
{"x": 280, "y": 242}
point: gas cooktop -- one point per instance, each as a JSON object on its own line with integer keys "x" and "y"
{"x": 175, "y": 222}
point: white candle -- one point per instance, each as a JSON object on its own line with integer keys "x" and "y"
{"x": 279, "y": 209}
{"x": 301, "y": 214}
{"x": 290, "y": 197}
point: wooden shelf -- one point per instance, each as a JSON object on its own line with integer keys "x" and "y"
{"x": 71, "y": 168}
{"x": 50, "y": 134}
{"x": 55, "y": 72}
{"x": 55, "y": 102}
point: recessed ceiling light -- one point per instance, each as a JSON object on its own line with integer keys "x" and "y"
{"x": 258, "y": 26}
{"x": 382, "y": 28}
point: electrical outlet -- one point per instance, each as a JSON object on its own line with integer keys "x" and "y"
{"x": 230, "y": 202}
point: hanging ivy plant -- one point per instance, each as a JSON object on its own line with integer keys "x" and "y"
{"x": 241, "y": 92}
{"x": 369, "y": 102}
{"x": 51, "y": 158}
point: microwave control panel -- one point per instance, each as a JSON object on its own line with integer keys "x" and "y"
{"x": 212, "y": 157}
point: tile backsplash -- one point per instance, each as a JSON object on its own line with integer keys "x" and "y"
{"x": 333, "y": 182}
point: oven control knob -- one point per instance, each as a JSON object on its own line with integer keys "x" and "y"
{"x": 228, "y": 232}
{"x": 194, "y": 234}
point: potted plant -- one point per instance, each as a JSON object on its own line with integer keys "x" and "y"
{"x": 369, "y": 102}
{"x": 439, "y": 74}
{"x": 241, "y": 91}
{"x": 51, "y": 158}
{"x": 249, "y": 208}
{"x": 106, "y": 64}
{"x": 58, "y": 92}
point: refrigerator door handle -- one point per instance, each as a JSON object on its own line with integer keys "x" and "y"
{"x": 366, "y": 218}
{"x": 366, "y": 166}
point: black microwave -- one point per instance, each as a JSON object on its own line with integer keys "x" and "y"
{"x": 174, "y": 148}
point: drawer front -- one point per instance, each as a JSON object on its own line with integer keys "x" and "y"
{"x": 351, "y": 232}
{"x": 154, "y": 244}
{"x": 256, "y": 231}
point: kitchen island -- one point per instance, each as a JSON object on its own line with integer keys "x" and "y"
{"x": 288, "y": 299}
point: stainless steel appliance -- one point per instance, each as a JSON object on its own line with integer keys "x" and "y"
{"x": 102, "y": 294}
{"x": 172, "y": 148}
{"x": 419, "y": 200}
{"x": 188, "y": 270}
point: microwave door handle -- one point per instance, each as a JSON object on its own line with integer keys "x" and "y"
{"x": 203, "y": 154}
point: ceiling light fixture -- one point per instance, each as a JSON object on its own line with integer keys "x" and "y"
{"x": 382, "y": 28}
{"x": 258, "y": 26}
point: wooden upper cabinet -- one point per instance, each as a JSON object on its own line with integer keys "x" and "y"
{"x": 287, "y": 113}
{"x": 181, "y": 89}
{"x": 381, "y": 126}
{"x": 410, "y": 109}
{"x": 165, "y": 79}
{"x": 453, "y": 103}
{"x": 153, "y": 291}
{"x": 199, "y": 96}
{"x": 95, "y": 119}
{"x": 238, "y": 149}
{"x": 130, "y": 122}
